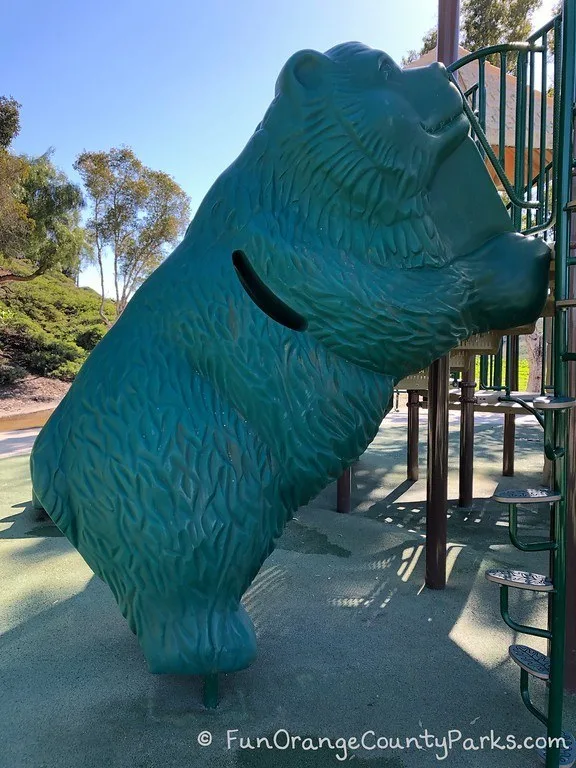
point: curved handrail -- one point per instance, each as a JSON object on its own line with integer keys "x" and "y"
{"x": 483, "y": 139}
{"x": 492, "y": 49}
{"x": 481, "y": 55}
{"x": 552, "y": 218}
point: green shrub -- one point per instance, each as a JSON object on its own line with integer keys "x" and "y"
{"x": 89, "y": 337}
{"x": 35, "y": 350}
{"x": 48, "y": 326}
{"x": 66, "y": 371}
{"x": 10, "y": 374}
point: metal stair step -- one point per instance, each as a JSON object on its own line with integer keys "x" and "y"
{"x": 492, "y": 397}
{"x": 526, "y": 496}
{"x": 548, "y": 402}
{"x": 534, "y": 662}
{"x": 567, "y": 754}
{"x": 520, "y": 579}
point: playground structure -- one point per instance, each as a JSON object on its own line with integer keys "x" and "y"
{"x": 536, "y": 173}
{"x": 551, "y": 211}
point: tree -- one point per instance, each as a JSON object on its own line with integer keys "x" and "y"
{"x": 9, "y": 120}
{"x": 15, "y": 226}
{"x": 136, "y": 215}
{"x": 534, "y": 346}
{"x": 429, "y": 42}
{"x": 39, "y": 209}
{"x": 43, "y": 227}
{"x": 557, "y": 9}
{"x": 54, "y": 204}
{"x": 487, "y": 22}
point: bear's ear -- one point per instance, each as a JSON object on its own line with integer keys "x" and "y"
{"x": 304, "y": 70}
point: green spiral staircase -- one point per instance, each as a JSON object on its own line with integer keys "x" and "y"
{"x": 541, "y": 201}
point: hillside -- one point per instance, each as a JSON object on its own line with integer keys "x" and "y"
{"x": 48, "y": 326}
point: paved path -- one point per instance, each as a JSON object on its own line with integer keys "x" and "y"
{"x": 17, "y": 443}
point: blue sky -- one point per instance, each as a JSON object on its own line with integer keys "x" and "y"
{"x": 183, "y": 83}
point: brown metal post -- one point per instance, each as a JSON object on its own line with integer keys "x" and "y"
{"x": 509, "y": 442}
{"x": 512, "y": 355}
{"x": 448, "y": 30}
{"x": 437, "y": 480}
{"x": 467, "y": 389}
{"x": 413, "y": 434}
{"x": 344, "y": 491}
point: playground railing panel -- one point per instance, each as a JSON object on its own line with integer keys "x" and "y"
{"x": 517, "y": 134}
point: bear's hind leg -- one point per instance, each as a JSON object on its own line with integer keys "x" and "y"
{"x": 206, "y": 521}
{"x": 197, "y": 641}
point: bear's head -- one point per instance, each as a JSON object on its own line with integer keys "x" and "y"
{"x": 380, "y": 132}
{"x": 362, "y": 207}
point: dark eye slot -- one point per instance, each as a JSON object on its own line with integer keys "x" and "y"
{"x": 263, "y": 297}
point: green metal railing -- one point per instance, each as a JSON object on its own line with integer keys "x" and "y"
{"x": 529, "y": 193}
{"x": 532, "y": 197}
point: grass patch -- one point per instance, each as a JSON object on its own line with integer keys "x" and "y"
{"x": 523, "y": 374}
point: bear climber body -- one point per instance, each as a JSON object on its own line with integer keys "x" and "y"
{"x": 356, "y": 239}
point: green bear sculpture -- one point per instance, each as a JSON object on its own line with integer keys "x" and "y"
{"x": 357, "y": 238}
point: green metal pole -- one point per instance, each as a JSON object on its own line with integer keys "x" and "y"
{"x": 558, "y": 611}
{"x": 210, "y": 691}
{"x": 570, "y": 649}
{"x": 520, "y": 138}
{"x": 563, "y": 186}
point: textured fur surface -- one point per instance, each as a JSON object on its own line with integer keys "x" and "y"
{"x": 198, "y": 425}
